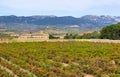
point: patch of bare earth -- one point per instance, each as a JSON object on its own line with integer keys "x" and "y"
{"x": 88, "y": 75}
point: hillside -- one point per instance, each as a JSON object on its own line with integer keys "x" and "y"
{"x": 33, "y": 23}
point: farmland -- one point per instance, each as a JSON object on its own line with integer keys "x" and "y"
{"x": 59, "y": 59}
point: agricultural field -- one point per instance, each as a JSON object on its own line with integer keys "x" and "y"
{"x": 59, "y": 59}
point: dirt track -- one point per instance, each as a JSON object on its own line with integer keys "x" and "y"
{"x": 62, "y": 40}
{"x": 102, "y": 40}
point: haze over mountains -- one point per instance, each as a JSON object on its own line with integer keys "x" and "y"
{"x": 31, "y": 23}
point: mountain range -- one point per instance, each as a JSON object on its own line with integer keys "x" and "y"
{"x": 32, "y": 23}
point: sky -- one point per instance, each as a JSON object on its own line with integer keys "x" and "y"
{"x": 75, "y": 8}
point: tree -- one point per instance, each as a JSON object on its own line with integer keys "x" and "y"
{"x": 71, "y": 36}
{"x": 52, "y": 37}
{"x": 111, "y": 32}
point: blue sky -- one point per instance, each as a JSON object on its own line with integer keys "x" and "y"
{"x": 75, "y": 8}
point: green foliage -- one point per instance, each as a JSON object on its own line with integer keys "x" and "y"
{"x": 72, "y": 36}
{"x": 52, "y": 37}
{"x": 111, "y": 32}
{"x": 93, "y": 35}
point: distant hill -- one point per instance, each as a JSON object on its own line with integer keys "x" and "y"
{"x": 31, "y": 23}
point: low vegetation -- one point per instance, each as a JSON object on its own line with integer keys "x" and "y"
{"x": 3, "y": 73}
{"x": 5, "y": 36}
{"x": 60, "y": 59}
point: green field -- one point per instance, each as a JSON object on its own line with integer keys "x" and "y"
{"x": 60, "y": 59}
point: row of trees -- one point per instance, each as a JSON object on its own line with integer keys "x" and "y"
{"x": 94, "y": 35}
{"x": 72, "y": 36}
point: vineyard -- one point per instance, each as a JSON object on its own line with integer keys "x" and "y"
{"x": 59, "y": 59}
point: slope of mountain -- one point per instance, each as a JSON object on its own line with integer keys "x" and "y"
{"x": 34, "y": 22}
